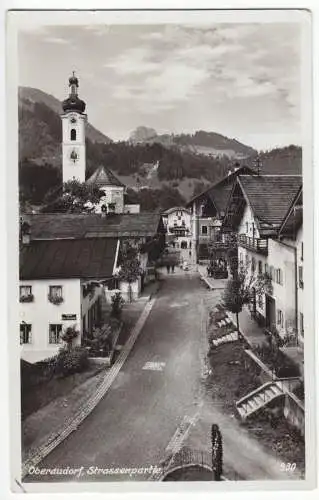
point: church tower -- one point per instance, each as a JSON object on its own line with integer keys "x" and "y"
{"x": 73, "y": 134}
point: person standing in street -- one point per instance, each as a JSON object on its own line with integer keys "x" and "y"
{"x": 173, "y": 267}
{"x": 168, "y": 267}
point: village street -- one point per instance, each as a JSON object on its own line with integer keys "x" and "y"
{"x": 158, "y": 390}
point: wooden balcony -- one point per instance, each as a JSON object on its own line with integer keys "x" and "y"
{"x": 258, "y": 245}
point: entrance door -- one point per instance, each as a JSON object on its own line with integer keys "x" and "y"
{"x": 270, "y": 312}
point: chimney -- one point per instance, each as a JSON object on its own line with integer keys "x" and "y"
{"x": 25, "y": 233}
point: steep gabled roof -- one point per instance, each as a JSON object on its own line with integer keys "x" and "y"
{"x": 76, "y": 226}
{"x": 220, "y": 191}
{"x": 270, "y": 196}
{"x": 67, "y": 259}
{"x": 294, "y": 217}
{"x": 104, "y": 177}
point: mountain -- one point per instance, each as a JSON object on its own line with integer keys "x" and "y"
{"x": 287, "y": 160}
{"x": 201, "y": 142}
{"x": 148, "y": 163}
{"x": 40, "y": 127}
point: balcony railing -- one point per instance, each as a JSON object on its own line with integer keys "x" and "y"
{"x": 255, "y": 244}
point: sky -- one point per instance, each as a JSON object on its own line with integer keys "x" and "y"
{"x": 241, "y": 79}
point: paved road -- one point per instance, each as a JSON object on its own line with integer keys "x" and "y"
{"x": 136, "y": 420}
{"x": 157, "y": 393}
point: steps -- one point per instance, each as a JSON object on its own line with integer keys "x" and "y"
{"x": 229, "y": 337}
{"x": 258, "y": 399}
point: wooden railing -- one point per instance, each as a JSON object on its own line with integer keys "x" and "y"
{"x": 256, "y": 244}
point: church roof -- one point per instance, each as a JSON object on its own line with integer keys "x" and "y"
{"x": 104, "y": 177}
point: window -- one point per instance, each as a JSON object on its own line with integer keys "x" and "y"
{"x": 280, "y": 318}
{"x": 204, "y": 229}
{"x": 73, "y": 134}
{"x": 55, "y": 291}
{"x": 253, "y": 264}
{"x": 279, "y": 276}
{"x": 184, "y": 244}
{"x": 266, "y": 269}
{"x": 26, "y": 294}
{"x": 271, "y": 272}
{"x": 301, "y": 325}
{"x": 301, "y": 251}
{"x": 55, "y": 334}
{"x": 241, "y": 259}
{"x": 25, "y": 333}
{"x": 247, "y": 260}
{"x": 260, "y": 267}
{"x": 179, "y": 217}
{"x": 300, "y": 273}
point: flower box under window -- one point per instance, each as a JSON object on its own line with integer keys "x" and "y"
{"x": 55, "y": 299}
{"x": 27, "y": 298}
{"x": 26, "y": 293}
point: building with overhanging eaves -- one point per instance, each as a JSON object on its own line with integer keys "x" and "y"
{"x": 61, "y": 286}
{"x": 265, "y": 211}
{"x": 208, "y": 209}
{"x": 62, "y": 256}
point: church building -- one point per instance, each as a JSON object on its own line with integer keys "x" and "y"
{"x": 74, "y": 122}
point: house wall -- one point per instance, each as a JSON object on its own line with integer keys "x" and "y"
{"x": 86, "y": 304}
{"x": 132, "y": 209}
{"x": 248, "y": 223}
{"x": 40, "y": 313}
{"x": 282, "y": 257}
{"x": 180, "y": 219}
{"x": 245, "y": 258}
{"x": 298, "y": 244}
{"x": 113, "y": 194}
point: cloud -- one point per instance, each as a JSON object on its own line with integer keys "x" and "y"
{"x": 133, "y": 61}
{"x": 57, "y": 40}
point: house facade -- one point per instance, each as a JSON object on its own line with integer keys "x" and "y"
{"x": 61, "y": 285}
{"x": 207, "y": 213}
{"x": 177, "y": 222}
{"x": 257, "y": 212}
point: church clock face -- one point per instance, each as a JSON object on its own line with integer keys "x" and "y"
{"x": 74, "y": 156}
{"x": 73, "y": 120}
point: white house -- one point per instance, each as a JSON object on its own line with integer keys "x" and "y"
{"x": 260, "y": 210}
{"x": 60, "y": 286}
{"x": 177, "y": 222}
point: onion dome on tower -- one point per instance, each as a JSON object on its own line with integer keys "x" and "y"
{"x": 73, "y": 103}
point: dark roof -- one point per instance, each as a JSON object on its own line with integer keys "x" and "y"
{"x": 63, "y": 259}
{"x": 270, "y": 196}
{"x": 53, "y": 226}
{"x": 220, "y": 191}
{"x": 294, "y": 218}
{"x": 104, "y": 177}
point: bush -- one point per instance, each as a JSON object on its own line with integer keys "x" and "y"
{"x": 70, "y": 361}
{"x": 117, "y": 305}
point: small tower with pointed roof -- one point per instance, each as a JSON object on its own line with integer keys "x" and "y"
{"x": 73, "y": 134}
{"x": 113, "y": 199}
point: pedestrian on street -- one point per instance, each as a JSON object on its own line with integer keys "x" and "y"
{"x": 173, "y": 267}
{"x": 168, "y": 267}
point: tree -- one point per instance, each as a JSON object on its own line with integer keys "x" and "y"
{"x": 242, "y": 288}
{"x": 77, "y": 197}
{"x": 217, "y": 453}
{"x": 130, "y": 268}
{"x": 69, "y": 335}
